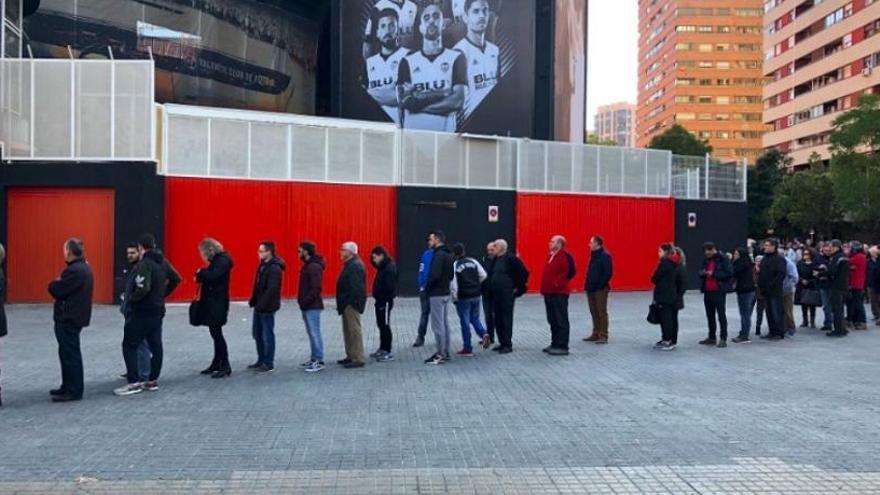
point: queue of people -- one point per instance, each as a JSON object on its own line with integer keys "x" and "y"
{"x": 835, "y": 276}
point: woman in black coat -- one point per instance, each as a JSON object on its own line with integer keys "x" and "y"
{"x": 3, "y": 328}
{"x": 807, "y": 291}
{"x": 384, "y": 292}
{"x": 669, "y": 289}
{"x": 214, "y": 305}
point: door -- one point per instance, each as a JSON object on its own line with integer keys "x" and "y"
{"x": 40, "y": 220}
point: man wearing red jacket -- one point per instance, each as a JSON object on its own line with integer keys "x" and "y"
{"x": 558, "y": 272}
{"x": 855, "y": 312}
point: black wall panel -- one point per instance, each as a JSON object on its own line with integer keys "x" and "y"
{"x": 722, "y": 222}
{"x": 462, "y": 214}
{"x": 139, "y": 196}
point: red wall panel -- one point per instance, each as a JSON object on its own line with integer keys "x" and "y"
{"x": 632, "y": 229}
{"x": 241, "y": 213}
{"x": 40, "y": 220}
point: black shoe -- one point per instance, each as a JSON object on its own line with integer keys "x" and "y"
{"x": 826, "y": 329}
{"x": 772, "y": 338}
{"x": 420, "y": 341}
{"x": 709, "y": 341}
{"x": 555, "y": 351}
{"x": 210, "y": 369}
{"x": 353, "y": 364}
{"x": 722, "y": 344}
{"x": 498, "y": 348}
{"x": 547, "y": 349}
{"x": 263, "y": 369}
{"x": 837, "y": 333}
{"x": 254, "y": 366}
{"x": 505, "y": 350}
{"x": 65, "y": 397}
{"x": 57, "y": 391}
{"x": 222, "y": 371}
{"x": 343, "y": 361}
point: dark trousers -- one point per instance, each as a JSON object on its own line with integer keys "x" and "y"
{"x": 809, "y": 315}
{"x": 383, "y": 321}
{"x": 137, "y": 329}
{"x": 70, "y": 356}
{"x": 855, "y": 311}
{"x": 221, "y": 352}
{"x": 502, "y": 306}
{"x": 426, "y": 313}
{"x": 760, "y": 311}
{"x": 557, "y": 317}
{"x": 263, "y": 329}
{"x": 838, "y": 300}
{"x": 746, "y": 303}
{"x": 669, "y": 323}
{"x": 716, "y": 305}
{"x": 773, "y": 305}
{"x": 490, "y": 316}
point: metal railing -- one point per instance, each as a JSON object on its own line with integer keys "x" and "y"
{"x": 72, "y": 109}
{"x": 696, "y": 177}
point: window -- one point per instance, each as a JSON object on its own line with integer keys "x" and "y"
{"x": 705, "y": 99}
{"x": 704, "y": 48}
{"x": 685, "y": 116}
{"x": 722, "y": 100}
{"x": 834, "y": 17}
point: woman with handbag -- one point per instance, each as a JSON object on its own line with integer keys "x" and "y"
{"x": 807, "y": 293}
{"x": 212, "y": 306}
{"x": 669, "y": 289}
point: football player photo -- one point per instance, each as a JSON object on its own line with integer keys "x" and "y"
{"x": 432, "y": 81}
{"x": 382, "y": 68}
{"x": 480, "y": 53}
{"x": 406, "y": 19}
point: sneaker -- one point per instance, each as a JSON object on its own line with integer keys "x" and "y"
{"x": 465, "y": 353}
{"x": 420, "y": 341}
{"x": 486, "y": 341}
{"x": 151, "y": 386}
{"x": 709, "y": 341}
{"x": 668, "y": 347}
{"x": 435, "y": 359}
{"x": 123, "y": 376}
{"x": 314, "y": 367}
{"x": 265, "y": 369}
{"x": 385, "y": 358}
{"x": 307, "y": 364}
{"x": 558, "y": 352}
{"x": 130, "y": 389}
{"x": 790, "y": 333}
{"x": 660, "y": 344}
{"x": 378, "y": 353}
{"x": 741, "y": 340}
{"x": 547, "y": 349}
{"x": 255, "y": 366}
{"x": 721, "y": 344}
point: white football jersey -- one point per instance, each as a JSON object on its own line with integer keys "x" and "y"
{"x": 382, "y": 73}
{"x": 482, "y": 70}
{"x": 439, "y": 73}
{"x": 406, "y": 12}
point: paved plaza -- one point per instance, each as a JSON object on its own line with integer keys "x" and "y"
{"x": 799, "y": 416}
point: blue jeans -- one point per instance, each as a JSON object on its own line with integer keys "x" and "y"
{"x": 469, "y": 314}
{"x": 144, "y": 356}
{"x": 264, "y": 336}
{"x": 827, "y": 312}
{"x": 312, "y": 319}
{"x": 746, "y": 302}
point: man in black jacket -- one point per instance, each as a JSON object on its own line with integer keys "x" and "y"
{"x": 838, "y": 275}
{"x": 145, "y": 308}
{"x": 351, "y": 301}
{"x": 72, "y": 312}
{"x": 384, "y": 292}
{"x": 509, "y": 281}
{"x": 716, "y": 276}
{"x": 266, "y": 301}
{"x": 597, "y": 285}
{"x": 771, "y": 275}
{"x": 437, "y": 289}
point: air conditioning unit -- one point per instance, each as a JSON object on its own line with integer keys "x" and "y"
{"x": 867, "y": 71}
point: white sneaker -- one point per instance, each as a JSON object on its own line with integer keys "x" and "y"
{"x": 315, "y": 367}
{"x": 130, "y": 389}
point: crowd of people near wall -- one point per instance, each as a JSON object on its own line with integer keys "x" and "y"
{"x": 768, "y": 279}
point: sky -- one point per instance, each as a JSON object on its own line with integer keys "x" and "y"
{"x": 612, "y": 53}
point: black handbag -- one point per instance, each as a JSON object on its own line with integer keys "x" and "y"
{"x": 196, "y": 317}
{"x": 810, "y": 297}
{"x": 654, "y": 314}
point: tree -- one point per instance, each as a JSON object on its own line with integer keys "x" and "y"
{"x": 680, "y": 141}
{"x": 855, "y": 163}
{"x": 805, "y": 200}
{"x": 763, "y": 180}
{"x": 597, "y": 141}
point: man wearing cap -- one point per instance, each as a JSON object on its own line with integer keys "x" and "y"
{"x": 351, "y": 300}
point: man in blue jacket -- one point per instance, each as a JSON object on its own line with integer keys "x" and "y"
{"x": 424, "y": 271}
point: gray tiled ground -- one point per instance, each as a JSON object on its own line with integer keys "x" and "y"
{"x": 799, "y": 416}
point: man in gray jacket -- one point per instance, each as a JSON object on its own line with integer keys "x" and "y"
{"x": 351, "y": 300}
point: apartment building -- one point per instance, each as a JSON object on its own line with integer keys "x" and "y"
{"x": 820, "y": 57}
{"x": 616, "y": 122}
{"x": 700, "y": 67}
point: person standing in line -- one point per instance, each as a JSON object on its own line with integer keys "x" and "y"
{"x": 789, "y": 287}
{"x": 266, "y": 301}
{"x": 669, "y": 289}
{"x": 873, "y": 283}
{"x": 771, "y": 277}
{"x": 214, "y": 280}
{"x": 716, "y": 275}
{"x": 509, "y": 282}
{"x": 3, "y": 326}
{"x": 760, "y": 301}
{"x": 823, "y": 283}
{"x": 597, "y": 286}
{"x": 858, "y": 272}
{"x": 488, "y": 263}
{"x": 132, "y": 256}
{"x": 384, "y": 292}
{"x": 558, "y": 272}
{"x": 145, "y": 308}
{"x": 424, "y": 269}
{"x": 465, "y": 288}
{"x": 438, "y": 291}
{"x": 351, "y": 301}
{"x": 838, "y": 274}
{"x": 311, "y": 281}
{"x": 71, "y": 313}
{"x": 806, "y": 288}
{"x": 744, "y": 278}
